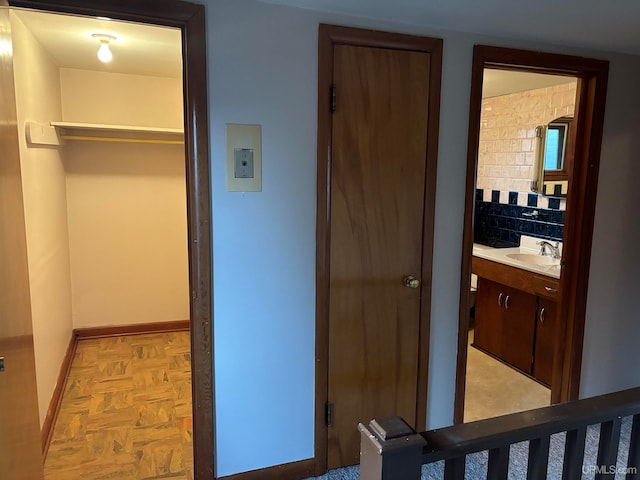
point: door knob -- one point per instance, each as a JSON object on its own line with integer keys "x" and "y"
{"x": 411, "y": 282}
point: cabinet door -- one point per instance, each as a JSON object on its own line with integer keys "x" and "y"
{"x": 489, "y": 315}
{"x": 519, "y": 328}
{"x": 505, "y": 323}
{"x": 545, "y": 339}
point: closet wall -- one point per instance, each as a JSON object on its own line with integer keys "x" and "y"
{"x": 126, "y": 202}
{"x": 105, "y": 222}
{"x": 37, "y": 83}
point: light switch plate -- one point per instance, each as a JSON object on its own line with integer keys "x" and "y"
{"x": 244, "y": 158}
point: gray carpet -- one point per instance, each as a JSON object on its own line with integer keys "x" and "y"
{"x": 476, "y": 464}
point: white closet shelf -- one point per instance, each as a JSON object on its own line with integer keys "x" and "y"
{"x": 118, "y": 133}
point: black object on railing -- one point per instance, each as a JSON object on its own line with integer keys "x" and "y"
{"x": 391, "y": 450}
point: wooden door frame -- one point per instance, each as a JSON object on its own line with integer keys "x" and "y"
{"x": 592, "y": 77}
{"x": 191, "y": 19}
{"x": 328, "y": 37}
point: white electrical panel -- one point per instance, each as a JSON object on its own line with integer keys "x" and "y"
{"x": 244, "y": 158}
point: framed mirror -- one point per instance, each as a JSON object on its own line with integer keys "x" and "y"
{"x": 553, "y": 156}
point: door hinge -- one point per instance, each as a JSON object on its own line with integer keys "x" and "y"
{"x": 332, "y": 98}
{"x": 329, "y": 414}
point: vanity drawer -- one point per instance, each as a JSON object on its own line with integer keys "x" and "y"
{"x": 545, "y": 286}
{"x": 541, "y": 285}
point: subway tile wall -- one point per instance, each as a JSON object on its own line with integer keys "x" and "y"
{"x": 507, "y": 132}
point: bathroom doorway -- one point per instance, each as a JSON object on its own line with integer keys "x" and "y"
{"x": 512, "y": 324}
{"x": 563, "y": 342}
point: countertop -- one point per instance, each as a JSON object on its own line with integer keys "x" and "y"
{"x": 528, "y": 246}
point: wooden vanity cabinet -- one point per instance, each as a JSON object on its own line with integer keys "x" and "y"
{"x": 517, "y": 322}
{"x": 504, "y": 323}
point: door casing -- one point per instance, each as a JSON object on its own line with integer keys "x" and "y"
{"x": 328, "y": 37}
{"x": 190, "y": 18}
{"x": 592, "y": 77}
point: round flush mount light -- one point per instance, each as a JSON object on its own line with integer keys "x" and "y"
{"x": 104, "y": 52}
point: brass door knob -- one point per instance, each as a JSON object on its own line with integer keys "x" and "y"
{"x": 411, "y": 282}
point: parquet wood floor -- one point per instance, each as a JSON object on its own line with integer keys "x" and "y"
{"x": 126, "y": 411}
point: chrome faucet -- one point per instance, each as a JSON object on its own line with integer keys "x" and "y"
{"x": 545, "y": 247}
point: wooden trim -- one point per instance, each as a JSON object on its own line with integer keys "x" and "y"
{"x": 191, "y": 19}
{"x": 323, "y": 253}
{"x": 328, "y": 36}
{"x": 579, "y": 234}
{"x": 537, "y": 62}
{"x": 289, "y": 471}
{"x": 56, "y": 399}
{"x": 199, "y": 204}
{"x": 132, "y": 329}
{"x": 592, "y": 87}
{"x": 171, "y": 13}
{"x": 570, "y": 146}
{"x": 473, "y": 138}
{"x": 338, "y": 35}
{"x": 460, "y": 440}
{"x": 433, "y": 132}
{"x": 556, "y": 176}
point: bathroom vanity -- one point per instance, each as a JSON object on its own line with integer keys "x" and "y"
{"x": 516, "y": 305}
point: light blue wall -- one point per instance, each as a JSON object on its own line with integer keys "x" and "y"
{"x": 611, "y": 356}
{"x": 262, "y": 69}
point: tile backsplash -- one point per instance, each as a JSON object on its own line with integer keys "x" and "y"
{"x": 501, "y": 217}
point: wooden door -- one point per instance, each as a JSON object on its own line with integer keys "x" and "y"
{"x": 20, "y": 454}
{"x": 378, "y": 165}
{"x": 545, "y": 340}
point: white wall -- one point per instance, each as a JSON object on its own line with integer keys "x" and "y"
{"x": 127, "y": 233}
{"x": 120, "y": 99}
{"x": 262, "y": 69}
{"x": 45, "y": 204}
{"x": 126, "y": 203}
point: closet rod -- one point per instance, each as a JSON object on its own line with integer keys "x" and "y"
{"x": 122, "y": 140}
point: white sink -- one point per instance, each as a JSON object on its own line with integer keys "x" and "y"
{"x": 533, "y": 259}
{"x": 526, "y": 256}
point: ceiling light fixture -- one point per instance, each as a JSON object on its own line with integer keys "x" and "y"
{"x": 104, "y": 53}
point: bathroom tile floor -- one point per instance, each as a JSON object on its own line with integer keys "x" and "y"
{"x": 126, "y": 411}
{"x": 493, "y": 388}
